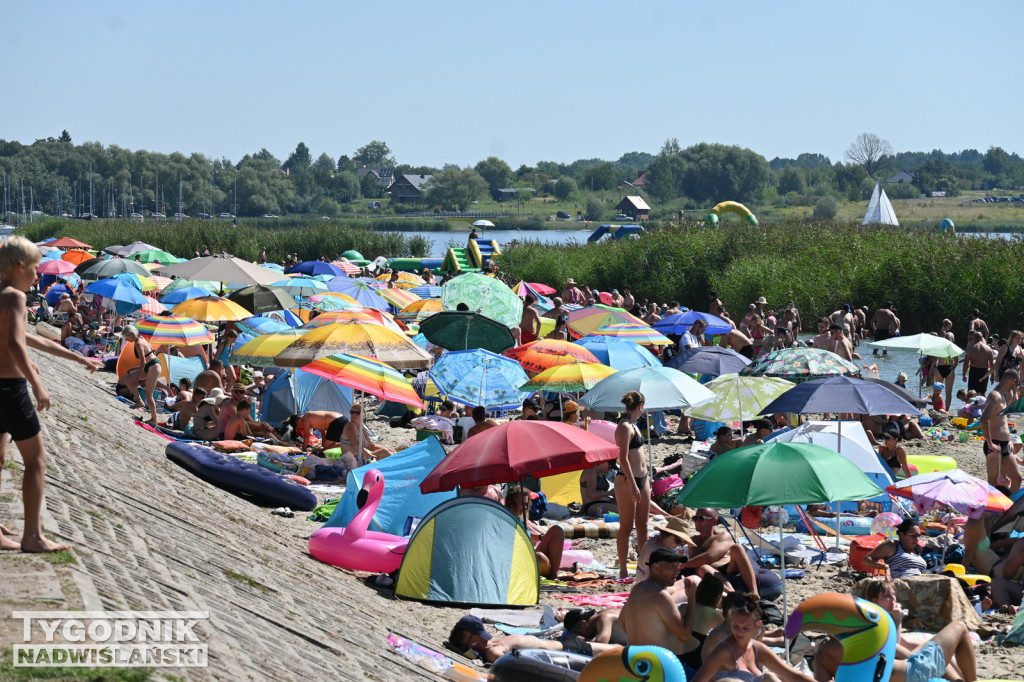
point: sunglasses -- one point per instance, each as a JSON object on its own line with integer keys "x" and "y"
{"x": 238, "y": 390}
{"x": 701, "y": 517}
{"x": 355, "y": 411}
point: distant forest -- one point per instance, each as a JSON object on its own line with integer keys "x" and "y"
{"x": 55, "y": 176}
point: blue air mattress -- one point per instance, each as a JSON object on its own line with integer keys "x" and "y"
{"x": 256, "y": 483}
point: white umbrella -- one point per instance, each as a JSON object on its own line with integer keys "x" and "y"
{"x": 923, "y": 344}
{"x": 483, "y": 223}
{"x": 852, "y": 444}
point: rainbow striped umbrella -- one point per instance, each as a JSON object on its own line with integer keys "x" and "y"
{"x": 367, "y": 375}
{"x": 575, "y": 378}
{"x": 356, "y": 338}
{"x": 637, "y": 333}
{"x": 538, "y": 356}
{"x": 398, "y": 297}
{"x": 212, "y": 309}
{"x": 588, "y": 320}
{"x": 371, "y": 315}
{"x": 174, "y": 330}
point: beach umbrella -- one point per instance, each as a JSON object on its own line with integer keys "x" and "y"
{"x": 776, "y": 474}
{"x": 711, "y": 360}
{"x": 738, "y": 398}
{"x": 483, "y": 223}
{"x": 637, "y": 333}
{"x": 954, "y": 488}
{"x": 800, "y": 364}
{"x": 155, "y": 256}
{"x": 126, "y": 298}
{"x": 346, "y": 267}
{"x": 853, "y": 445}
{"x": 617, "y": 353}
{"x": 212, "y": 309}
{"x": 463, "y": 330}
{"x": 257, "y": 324}
{"x": 839, "y": 394}
{"x": 344, "y": 298}
{"x": 899, "y": 391}
{"x": 398, "y": 298}
{"x": 540, "y": 355}
{"x": 663, "y": 388}
{"x": 680, "y": 323}
{"x": 585, "y": 321}
{"x": 479, "y": 377}
{"x": 327, "y": 304}
{"x": 371, "y": 315}
{"x": 300, "y": 286}
{"x": 922, "y": 344}
{"x": 100, "y": 269}
{"x": 173, "y": 330}
{"x": 574, "y": 378}
{"x": 315, "y": 267}
{"x": 406, "y": 280}
{"x": 207, "y": 286}
{"x": 182, "y": 294}
{"x": 367, "y": 375}
{"x": 515, "y": 449}
{"x": 261, "y": 350}
{"x": 417, "y": 311}
{"x": 130, "y": 249}
{"x": 55, "y": 291}
{"x": 152, "y": 307}
{"x": 485, "y": 295}
{"x": 355, "y": 338}
{"x": 77, "y": 257}
{"x": 68, "y": 243}
{"x": 426, "y": 291}
{"x": 140, "y": 282}
{"x": 56, "y": 266}
{"x": 221, "y": 267}
{"x": 535, "y": 288}
{"x": 361, "y": 292}
{"x": 260, "y": 298}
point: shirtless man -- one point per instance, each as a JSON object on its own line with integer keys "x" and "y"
{"x": 652, "y": 314}
{"x": 978, "y": 324}
{"x": 844, "y": 318}
{"x": 716, "y": 552}
{"x": 996, "y": 431}
{"x": 739, "y": 342}
{"x": 715, "y": 306}
{"x": 838, "y": 343}
{"x": 627, "y": 298}
{"x": 597, "y": 626}
{"x": 481, "y": 421}
{"x": 823, "y": 339}
{"x": 470, "y": 633}
{"x": 329, "y": 424}
{"x": 650, "y": 616}
{"x": 211, "y": 378}
{"x": 557, "y": 311}
{"x": 977, "y": 363}
{"x": 883, "y": 325}
{"x": 530, "y": 322}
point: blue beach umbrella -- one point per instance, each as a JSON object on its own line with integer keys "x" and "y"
{"x": 711, "y": 360}
{"x": 618, "y": 354}
{"x": 261, "y": 325}
{"x": 427, "y": 291}
{"x": 366, "y": 295}
{"x": 55, "y": 291}
{"x": 182, "y": 294}
{"x": 680, "y": 323}
{"x": 126, "y": 298}
{"x": 479, "y": 377}
{"x": 300, "y": 286}
{"x": 315, "y": 267}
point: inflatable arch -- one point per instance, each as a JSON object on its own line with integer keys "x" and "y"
{"x": 730, "y": 207}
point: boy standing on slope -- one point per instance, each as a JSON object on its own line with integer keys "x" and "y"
{"x": 19, "y": 259}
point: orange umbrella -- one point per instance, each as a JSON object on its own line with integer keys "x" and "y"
{"x": 538, "y": 356}
{"x": 324, "y": 319}
{"x": 212, "y": 309}
{"x": 68, "y": 243}
{"x": 77, "y": 257}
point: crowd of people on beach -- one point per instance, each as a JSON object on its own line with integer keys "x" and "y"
{"x": 697, "y": 591}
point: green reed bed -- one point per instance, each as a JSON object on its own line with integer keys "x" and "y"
{"x": 819, "y": 265}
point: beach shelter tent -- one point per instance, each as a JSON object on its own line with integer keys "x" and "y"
{"x": 311, "y": 391}
{"x": 403, "y": 473}
{"x": 880, "y": 211}
{"x": 470, "y": 550}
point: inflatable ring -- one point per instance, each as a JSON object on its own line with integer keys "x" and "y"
{"x": 929, "y": 463}
{"x": 635, "y": 663}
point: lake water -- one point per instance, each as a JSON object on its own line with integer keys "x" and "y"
{"x": 439, "y": 241}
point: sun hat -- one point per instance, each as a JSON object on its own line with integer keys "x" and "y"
{"x": 216, "y": 396}
{"x": 678, "y": 526}
{"x": 762, "y": 301}
{"x": 570, "y": 280}
{"x": 570, "y": 406}
{"x": 902, "y": 376}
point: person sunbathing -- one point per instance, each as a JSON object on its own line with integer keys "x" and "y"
{"x": 470, "y": 637}
{"x": 549, "y": 542}
{"x": 948, "y": 655}
{"x": 355, "y": 434}
{"x": 237, "y": 427}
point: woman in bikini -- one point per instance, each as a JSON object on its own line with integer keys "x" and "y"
{"x": 150, "y": 372}
{"x": 741, "y": 657}
{"x": 1009, "y": 356}
{"x": 632, "y": 483}
{"x": 758, "y": 334}
{"x": 893, "y": 454}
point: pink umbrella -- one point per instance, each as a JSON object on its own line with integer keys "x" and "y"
{"x": 961, "y": 491}
{"x": 56, "y": 266}
{"x": 153, "y": 306}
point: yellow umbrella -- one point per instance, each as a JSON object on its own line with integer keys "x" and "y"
{"x": 261, "y": 350}
{"x": 398, "y": 297}
{"x": 337, "y": 294}
{"x": 366, "y": 314}
{"x": 575, "y": 377}
{"x": 356, "y": 338}
{"x": 420, "y": 310}
{"x": 152, "y": 266}
{"x": 212, "y": 309}
{"x": 406, "y": 280}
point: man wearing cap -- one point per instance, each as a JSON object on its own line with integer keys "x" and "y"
{"x": 470, "y": 635}
{"x": 531, "y": 410}
{"x": 762, "y": 429}
{"x": 571, "y": 293}
{"x": 597, "y": 626}
{"x": 977, "y": 363}
{"x": 716, "y": 551}
{"x": 674, "y": 534}
{"x": 650, "y": 616}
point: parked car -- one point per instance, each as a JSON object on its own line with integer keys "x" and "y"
{"x": 269, "y": 215}
{"x": 180, "y": 216}
{"x": 622, "y": 216}
{"x": 157, "y": 215}
{"x": 564, "y": 215}
{"x": 226, "y": 215}
{"x": 204, "y": 216}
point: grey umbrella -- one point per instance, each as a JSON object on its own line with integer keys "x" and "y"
{"x": 222, "y": 267}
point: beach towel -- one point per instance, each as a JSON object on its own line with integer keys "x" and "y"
{"x": 609, "y": 600}
{"x": 153, "y": 430}
{"x": 324, "y": 511}
{"x": 517, "y": 617}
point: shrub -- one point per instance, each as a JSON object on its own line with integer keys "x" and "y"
{"x": 826, "y": 208}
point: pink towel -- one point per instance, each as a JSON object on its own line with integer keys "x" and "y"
{"x": 606, "y": 600}
{"x": 663, "y": 485}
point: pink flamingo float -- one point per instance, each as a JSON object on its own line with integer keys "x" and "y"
{"x": 354, "y": 546}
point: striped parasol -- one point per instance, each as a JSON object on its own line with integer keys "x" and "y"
{"x": 370, "y": 315}
{"x": 153, "y": 307}
{"x": 212, "y": 309}
{"x": 637, "y": 333}
{"x": 538, "y": 356}
{"x": 588, "y": 320}
{"x": 419, "y": 310}
{"x": 346, "y": 267}
{"x": 174, "y": 330}
{"x": 367, "y": 375}
{"x": 398, "y": 297}
{"x": 406, "y": 280}
{"x": 355, "y": 338}
{"x": 262, "y": 349}
{"x": 575, "y": 378}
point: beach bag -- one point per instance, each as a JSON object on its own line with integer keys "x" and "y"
{"x": 538, "y": 506}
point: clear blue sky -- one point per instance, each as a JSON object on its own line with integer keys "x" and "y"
{"x": 455, "y": 82}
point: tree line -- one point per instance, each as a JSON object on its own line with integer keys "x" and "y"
{"x": 56, "y": 176}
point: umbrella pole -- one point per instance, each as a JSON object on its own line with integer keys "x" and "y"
{"x": 785, "y": 604}
{"x": 839, "y": 449}
{"x": 360, "y": 451}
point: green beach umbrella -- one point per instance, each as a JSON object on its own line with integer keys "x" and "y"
{"x": 212, "y": 287}
{"x": 485, "y": 295}
{"x": 800, "y": 364}
{"x": 738, "y": 398}
{"x": 464, "y": 330}
{"x": 155, "y": 256}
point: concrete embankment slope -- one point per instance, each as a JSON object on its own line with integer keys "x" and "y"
{"x": 148, "y": 536}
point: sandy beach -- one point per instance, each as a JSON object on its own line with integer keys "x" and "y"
{"x": 149, "y": 536}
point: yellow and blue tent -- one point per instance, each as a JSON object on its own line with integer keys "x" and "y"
{"x": 470, "y": 550}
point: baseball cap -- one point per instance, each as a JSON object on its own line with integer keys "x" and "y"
{"x": 473, "y": 626}
{"x": 532, "y": 404}
{"x": 665, "y": 554}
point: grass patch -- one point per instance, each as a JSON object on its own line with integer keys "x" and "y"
{"x": 13, "y": 466}
{"x": 59, "y": 558}
{"x": 13, "y": 674}
{"x": 251, "y": 582}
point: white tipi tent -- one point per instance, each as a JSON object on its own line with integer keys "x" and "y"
{"x": 880, "y": 211}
